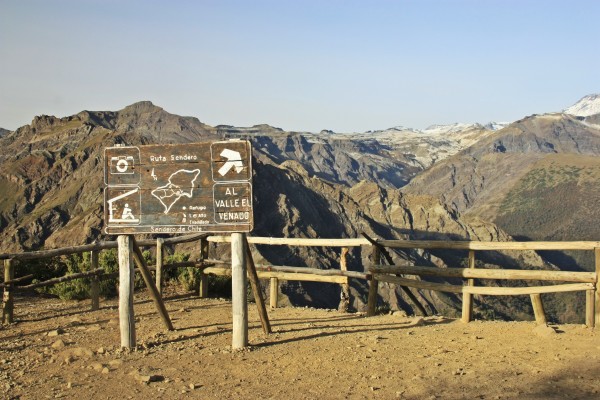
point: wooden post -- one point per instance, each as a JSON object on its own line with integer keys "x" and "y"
{"x": 258, "y": 297}
{"x": 159, "y": 265}
{"x": 538, "y": 308}
{"x": 7, "y": 297}
{"x": 274, "y": 292}
{"x": 345, "y": 287}
{"x": 388, "y": 257}
{"x": 95, "y": 282}
{"x": 238, "y": 291}
{"x": 373, "y": 284}
{"x": 597, "y": 289}
{"x": 203, "y": 290}
{"x": 590, "y": 308}
{"x": 467, "y": 298}
{"x": 152, "y": 290}
{"x": 126, "y": 282}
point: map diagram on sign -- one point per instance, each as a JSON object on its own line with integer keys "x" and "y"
{"x": 181, "y": 183}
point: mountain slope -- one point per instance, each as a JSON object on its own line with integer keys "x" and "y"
{"x": 536, "y": 178}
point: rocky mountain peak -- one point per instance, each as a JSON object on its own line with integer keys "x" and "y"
{"x": 141, "y": 107}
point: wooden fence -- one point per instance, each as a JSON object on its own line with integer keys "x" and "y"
{"x": 578, "y": 281}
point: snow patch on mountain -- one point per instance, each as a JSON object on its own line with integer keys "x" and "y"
{"x": 588, "y": 105}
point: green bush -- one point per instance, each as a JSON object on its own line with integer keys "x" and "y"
{"x": 76, "y": 289}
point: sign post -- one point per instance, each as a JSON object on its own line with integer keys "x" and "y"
{"x": 238, "y": 291}
{"x": 126, "y": 282}
{"x": 179, "y": 189}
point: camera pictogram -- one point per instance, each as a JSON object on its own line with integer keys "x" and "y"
{"x": 121, "y": 165}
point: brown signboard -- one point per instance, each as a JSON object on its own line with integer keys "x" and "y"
{"x": 182, "y": 188}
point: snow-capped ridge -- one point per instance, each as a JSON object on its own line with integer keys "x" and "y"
{"x": 588, "y": 105}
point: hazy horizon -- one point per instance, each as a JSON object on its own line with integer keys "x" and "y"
{"x": 347, "y": 66}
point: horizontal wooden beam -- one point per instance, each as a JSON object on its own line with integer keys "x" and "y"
{"x": 461, "y": 245}
{"x": 13, "y": 281}
{"x": 439, "y": 287}
{"x": 31, "y": 255}
{"x": 472, "y": 273}
{"x": 295, "y": 241}
{"x": 306, "y": 271}
{"x": 513, "y": 291}
{"x": 287, "y": 276}
{"x": 313, "y": 271}
{"x": 65, "y": 278}
{"x": 484, "y": 290}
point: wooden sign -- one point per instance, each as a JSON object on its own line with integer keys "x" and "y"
{"x": 182, "y": 188}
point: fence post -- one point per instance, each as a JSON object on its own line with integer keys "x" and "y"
{"x": 345, "y": 292}
{"x": 258, "y": 296}
{"x": 126, "y": 282}
{"x": 538, "y": 308}
{"x": 590, "y": 308}
{"x": 203, "y": 290}
{"x": 239, "y": 296}
{"x": 373, "y": 284}
{"x": 597, "y": 289}
{"x": 467, "y": 298}
{"x": 159, "y": 265}
{"x": 274, "y": 292}
{"x": 95, "y": 282}
{"x": 7, "y": 297}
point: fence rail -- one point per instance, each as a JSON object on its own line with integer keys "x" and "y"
{"x": 395, "y": 274}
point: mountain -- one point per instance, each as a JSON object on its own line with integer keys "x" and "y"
{"x": 4, "y": 132}
{"x": 426, "y": 147}
{"x": 305, "y": 185}
{"x": 537, "y": 178}
{"x": 587, "y": 106}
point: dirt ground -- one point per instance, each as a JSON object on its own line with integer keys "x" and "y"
{"x": 61, "y": 349}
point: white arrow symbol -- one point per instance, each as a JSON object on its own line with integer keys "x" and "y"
{"x": 234, "y": 159}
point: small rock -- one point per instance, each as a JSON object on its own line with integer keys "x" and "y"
{"x": 75, "y": 322}
{"x": 148, "y": 378}
{"x": 194, "y": 386}
{"x": 96, "y": 366}
{"x": 101, "y": 350}
{"x": 113, "y": 321}
{"x": 69, "y": 385}
{"x": 83, "y": 352}
{"x": 418, "y": 321}
{"x": 544, "y": 331}
{"x": 55, "y": 332}
{"x": 94, "y": 328}
{"x": 115, "y": 363}
{"x": 59, "y": 344}
{"x": 105, "y": 370}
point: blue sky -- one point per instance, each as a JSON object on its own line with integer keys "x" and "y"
{"x": 299, "y": 65}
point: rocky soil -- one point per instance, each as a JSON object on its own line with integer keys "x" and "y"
{"x": 60, "y": 349}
